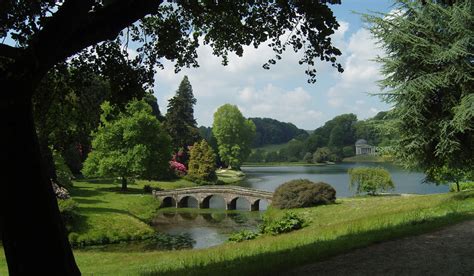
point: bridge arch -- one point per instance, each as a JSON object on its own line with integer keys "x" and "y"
{"x": 236, "y": 204}
{"x": 168, "y": 201}
{"x": 259, "y": 204}
{"x": 212, "y": 201}
{"x": 187, "y": 201}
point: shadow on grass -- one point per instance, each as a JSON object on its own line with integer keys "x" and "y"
{"x": 84, "y": 192}
{"x": 273, "y": 263}
{"x": 105, "y": 210}
{"x": 88, "y": 201}
{"x": 129, "y": 191}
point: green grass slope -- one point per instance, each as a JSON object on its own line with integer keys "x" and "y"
{"x": 336, "y": 228}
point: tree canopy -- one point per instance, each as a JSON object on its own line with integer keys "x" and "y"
{"x": 128, "y": 145}
{"x": 429, "y": 68}
{"x": 38, "y": 35}
{"x": 234, "y": 134}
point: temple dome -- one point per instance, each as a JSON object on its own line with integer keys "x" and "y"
{"x": 361, "y": 142}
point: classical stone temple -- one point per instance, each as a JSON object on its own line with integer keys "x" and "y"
{"x": 363, "y": 148}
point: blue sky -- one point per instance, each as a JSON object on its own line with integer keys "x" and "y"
{"x": 282, "y": 92}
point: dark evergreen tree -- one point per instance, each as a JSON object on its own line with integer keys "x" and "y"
{"x": 153, "y": 102}
{"x": 429, "y": 81}
{"x": 179, "y": 121}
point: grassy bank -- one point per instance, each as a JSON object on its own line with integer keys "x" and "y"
{"x": 109, "y": 215}
{"x": 333, "y": 229}
{"x": 368, "y": 158}
{"x": 230, "y": 176}
{"x": 282, "y": 164}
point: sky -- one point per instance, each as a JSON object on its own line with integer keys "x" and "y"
{"x": 283, "y": 92}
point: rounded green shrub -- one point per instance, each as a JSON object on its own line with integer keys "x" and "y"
{"x": 303, "y": 193}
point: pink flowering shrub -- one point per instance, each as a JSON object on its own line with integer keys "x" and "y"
{"x": 179, "y": 169}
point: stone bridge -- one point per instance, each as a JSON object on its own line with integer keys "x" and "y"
{"x": 230, "y": 194}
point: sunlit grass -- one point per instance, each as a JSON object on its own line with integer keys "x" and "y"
{"x": 348, "y": 224}
{"x": 230, "y": 176}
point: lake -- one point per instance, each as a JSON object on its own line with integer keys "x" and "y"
{"x": 213, "y": 228}
{"x": 269, "y": 178}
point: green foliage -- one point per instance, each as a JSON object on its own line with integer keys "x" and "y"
{"x": 166, "y": 241}
{"x": 202, "y": 162}
{"x": 63, "y": 173}
{"x": 446, "y": 175}
{"x": 308, "y": 157}
{"x": 243, "y": 235}
{"x": 290, "y": 221}
{"x": 180, "y": 123}
{"x": 234, "y": 134}
{"x": 129, "y": 144}
{"x": 428, "y": 79}
{"x": 463, "y": 186}
{"x": 321, "y": 155}
{"x": 271, "y": 131}
{"x": 69, "y": 212}
{"x": 370, "y": 180}
{"x": 303, "y": 193}
{"x": 348, "y": 151}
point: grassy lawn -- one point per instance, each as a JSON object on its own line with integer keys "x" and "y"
{"x": 348, "y": 224}
{"x": 109, "y": 215}
{"x": 367, "y": 158}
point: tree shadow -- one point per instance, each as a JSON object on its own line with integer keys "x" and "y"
{"x": 84, "y": 192}
{"x": 129, "y": 191}
{"x": 88, "y": 201}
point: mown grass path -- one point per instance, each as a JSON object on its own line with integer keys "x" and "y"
{"x": 449, "y": 251}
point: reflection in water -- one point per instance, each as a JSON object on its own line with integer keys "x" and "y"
{"x": 269, "y": 178}
{"x": 207, "y": 229}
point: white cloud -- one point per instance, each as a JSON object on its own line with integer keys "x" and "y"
{"x": 360, "y": 76}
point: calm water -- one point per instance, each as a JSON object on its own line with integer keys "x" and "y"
{"x": 269, "y": 178}
{"x": 207, "y": 229}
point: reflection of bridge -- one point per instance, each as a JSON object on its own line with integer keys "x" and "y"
{"x": 179, "y": 197}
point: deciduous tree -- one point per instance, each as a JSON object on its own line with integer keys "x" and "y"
{"x": 129, "y": 145}
{"x": 37, "y": 35}
{"x": 234, "y": 135}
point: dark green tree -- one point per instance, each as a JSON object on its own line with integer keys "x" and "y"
{"x": 180, "y": 122}
{"x": 234, "y": 135}
{"x": 321, "y": 155}
{"x": 128, "y": 145}
{"x": 429, "y": 81}
{"x": 153, "y": 102}
{"x": 46, "y": 33}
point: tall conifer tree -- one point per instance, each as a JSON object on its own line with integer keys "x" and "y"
{"x": 180, "y": 122}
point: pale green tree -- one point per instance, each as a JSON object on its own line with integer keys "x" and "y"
{"x": 370, "y": 180}
{"x": 129, "y": 144}
{"x": 202, "y": 162}
{"x": 234, "y": 135}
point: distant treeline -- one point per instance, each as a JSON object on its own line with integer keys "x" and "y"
{"x": 268, "y": 132}
{"x": 331, "y": 142}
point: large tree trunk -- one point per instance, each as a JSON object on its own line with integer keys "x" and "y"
{"x": 124, "y": 183}
{"x": 32, "y": 231}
